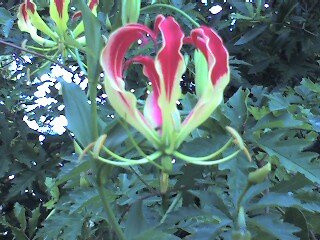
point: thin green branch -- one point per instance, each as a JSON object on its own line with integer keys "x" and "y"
{"x": 127, "y": 162}
{"x": 160, "y": 5}
{"x": 125, "y": 126}
{"x": 112, "y": 219}
{"x": 76, "y": 57}
{"x": 142, "y": 180}
{"x": 205, "y": 158}
{"x": 205, "y": 163}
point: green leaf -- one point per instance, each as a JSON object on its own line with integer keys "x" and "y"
{"x": 19, "y": 234}
{"x": 107, "y": 5}
{"x": 61, "y": 225}
{"x": 156, "y": 235}
{"x": 78, "y": 112}
{"x": 251, "y": 34}
{"x": 296, "y": 217}
{"x": 271, "y": 225}
{"x": 241, "y": 6}
{"x": 54, "y": 192}
{"x": 33, "y": 221}
{"x": 177, "y": 3}
{"x": 198, "y": 221}
{"x": 81, "y": 198}
{"x": 277, "y": 102}
{"x": 236, "y": 108}
{"x": 240, "y": 16}
{"x": 283, "y": 120}
{"x": 20, "y": 214}
{"x": 72, "y": 169}
{"x": 136, "y": 222}
{"x": 208, "y": 230}
{"x": 24, "y": 180}
{"x": 283, "y": 200}
{"x": 218, "y": 206}
{"x": 6, "y": 20}
{"x": 238, "y": 175}
{"x": 94, "y": 42}
{"x": 290, "y": 153}
{"x": 295, "y": 182}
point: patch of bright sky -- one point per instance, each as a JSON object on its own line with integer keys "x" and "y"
{"x": 214, "y": 9}
{"x": 58, "y": 124}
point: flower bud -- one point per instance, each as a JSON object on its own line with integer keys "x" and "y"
{"x": 147, "y": 21}
{"x": 108, "y": 24}
{"x": 130, "y": 11}
{"x": 260, "y": 174}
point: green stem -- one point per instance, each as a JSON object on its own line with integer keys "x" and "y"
{"x": 76, "y": 57}
{"x": 112, "y": 219}
{"x": 142, "y": 180}
{"x": 99, "y": 167}
{"x": 126, "y": 162}
{"x": 205, "y": 158}
{"x": 245, "y": 190}
{"x": 159, "y": 5}
{"x": 94, "y": 113}
{"x": 171, "y": 208}
{"x": 202, "y": 162}
{"x": 43, "y": 49}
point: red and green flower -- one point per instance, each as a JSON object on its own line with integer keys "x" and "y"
{"x": 160, "y": 121}
{"x": 30, "y": 21}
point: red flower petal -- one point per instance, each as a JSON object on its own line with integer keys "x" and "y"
{"x": 169, "y": 55}
{"x": 60, "y": 6}
{"x": 210, "y": 44}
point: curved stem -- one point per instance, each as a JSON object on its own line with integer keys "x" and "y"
{"x": 94, "y": 113}
{"x": 142, "y": 180}
{"x": 125, "y": 126}
{"x": 76, "y": 57}
{"x": 97, "y": 168}
{"x": 43, "y": 49}
{"x": 245, "y": 190}
{"x": 159, "y": 5}
{"x": 107, "y": 207}
{"x": 128, "y": 162}
{"x": 199, "y": 162}
{"x": 205, "y": 158}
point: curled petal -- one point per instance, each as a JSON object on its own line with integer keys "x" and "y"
{"x": 169, "y": 61}
{"x": 112, "y": 59}
{"x": 36, "y": 20}
{"x": 170, "y": 66}
{"x": 152, "y": 110}
{"x": 59, "y": 14}
{"x": 211, "y": 45}
{"x": 212, "y": 76}
{"x": 25, "y": 25}
{"x": 92, "y": 4}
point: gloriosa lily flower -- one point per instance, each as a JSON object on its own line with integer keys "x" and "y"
{"x": 160, "y": 121}
{"x": 30, "y": 21}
